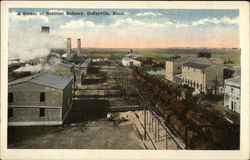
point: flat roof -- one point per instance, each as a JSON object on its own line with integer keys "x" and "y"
{"x": 235, "y": 80}
{"x": 195, "y": 65}
{"x": 66, "y": 64}
{"x": 45, "y": 79}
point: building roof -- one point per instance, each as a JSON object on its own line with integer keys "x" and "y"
{"x": 191, "y": 59}
{"x": 130, "y": 59}
{"x": 173, "y": 58}
{"x": 66, "y": 64}
{"x": 233, "y": 81}
{"x": 45, "y": 79}
{"x": 199, "y": 59}
{"x": 133, "y": 55}
{"x": 85, "y": 63}
{"x": 195, "y": 65}
{"x": 178, "y": 76}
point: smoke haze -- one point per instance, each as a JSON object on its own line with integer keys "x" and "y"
{"x": 30, "y": 44}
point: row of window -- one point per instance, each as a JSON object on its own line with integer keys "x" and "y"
{"x": 41, "y": 112}
{"x": 202, "y": 71}
{"x": 192, "y": 83}
{"x": 11, "y": 97}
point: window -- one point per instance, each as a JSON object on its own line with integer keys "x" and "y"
{"x": 201, "y": 86}
{"x": 41, "y": 112}
{"x": 10, "y": 112}
{"x": 235, "y": 106}
{"x": 42, "y": 97}
{"x": 194, "y": 69}
{"x": 232, "y": 90}
{"x": 10, "y": 97}
{"x": 226, "y": 97}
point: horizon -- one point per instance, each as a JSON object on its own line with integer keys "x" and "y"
{"x": 135, "y": 28}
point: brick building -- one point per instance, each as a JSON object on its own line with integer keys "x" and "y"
{"x": 42, "y": 99}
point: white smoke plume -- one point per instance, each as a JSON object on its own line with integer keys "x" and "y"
{"x": 55, "y": 59}
{"x": 37, "y": 68}
{"x": 30, "y": 44}
{"x": 29, "y": 68}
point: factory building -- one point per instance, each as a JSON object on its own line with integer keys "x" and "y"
{"x": 132, "y": 59}
{"x": 204, "y": 74}
{"x": 81, "y": 70}
{"x": 131, "y": 62}
{"x": 41, "y": 99}
{"x": 173, "y": 67}
{"x": 62, "y": 68}
{"x": 232, "y": 94}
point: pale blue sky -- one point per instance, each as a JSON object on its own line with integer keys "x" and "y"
{"x": 139, "y": 27}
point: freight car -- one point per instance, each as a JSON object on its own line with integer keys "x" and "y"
{"x": 184, "y": 121}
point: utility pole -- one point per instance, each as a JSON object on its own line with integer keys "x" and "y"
{"x": 145, "y": 123}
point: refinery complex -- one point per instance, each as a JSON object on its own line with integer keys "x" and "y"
{"x": 82, "y": 102}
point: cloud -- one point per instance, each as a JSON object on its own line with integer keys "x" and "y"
{"x": 78, "y": 24}
{"x": 129, "y": 21}
{"x": 148, "y": 14}
{"x": 134, "y": 22}
{"x": 224, "y": 20}
{"x": 169, "y": 23}
{"x": 181, "y": 25}
{"x": 14, "y": 17}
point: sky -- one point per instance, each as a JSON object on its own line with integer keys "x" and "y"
{"x": 135, "y": 28}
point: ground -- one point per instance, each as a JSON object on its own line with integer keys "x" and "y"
{"x": 86, "y": 126}
{"x": 99, "y": 134}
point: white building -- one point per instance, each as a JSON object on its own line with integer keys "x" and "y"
{"x": 127, "y": 61}
{"x": 232, "y": 94}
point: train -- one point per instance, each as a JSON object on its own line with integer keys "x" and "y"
{"x": 197, "y": 132}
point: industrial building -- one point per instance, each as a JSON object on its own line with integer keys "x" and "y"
{"x": 130, "y": 62}
{"x": 232, "y": 94}
{"x": 46, "y": 102}
{"x": 173, "y": 67}
{"x": 204, "y": 74}
{"x": 132, "y": 59}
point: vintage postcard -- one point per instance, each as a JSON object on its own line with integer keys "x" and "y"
{"x": 119, "y": 80}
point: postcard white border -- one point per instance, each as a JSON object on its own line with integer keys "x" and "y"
{"x": 243, "y": 153}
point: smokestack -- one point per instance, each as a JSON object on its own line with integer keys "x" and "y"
{"x": 78, "y": 46}
{"x": 68, "y": 43}
{"x": 68, "y": 48}
{"x": 45, "y": 29}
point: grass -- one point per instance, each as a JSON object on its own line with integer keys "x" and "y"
{"x": 18, "y": 134}
{"x": 160, "y": 57}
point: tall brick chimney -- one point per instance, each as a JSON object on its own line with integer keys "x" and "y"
{"x": 78, "y": 46}
{"x": 45, "y": 29}
{"x": 68, "y": 49}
